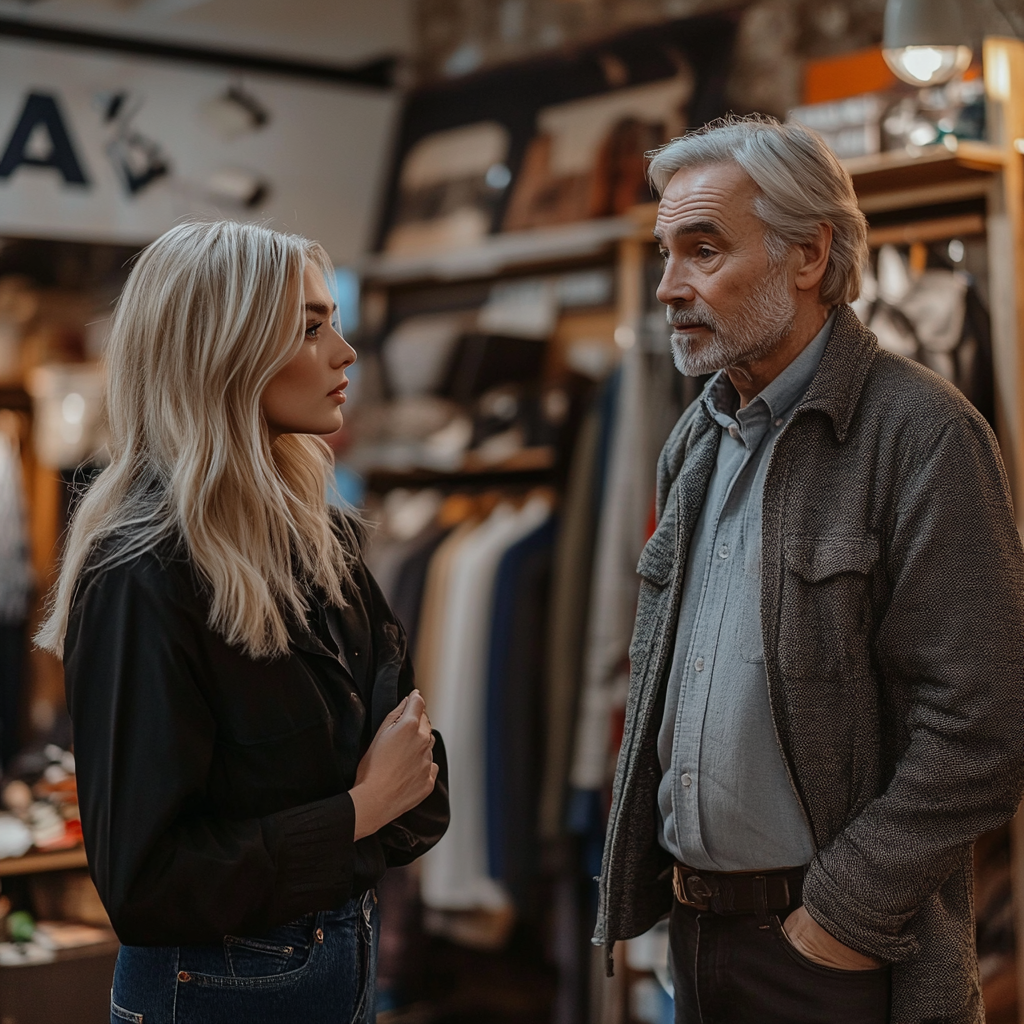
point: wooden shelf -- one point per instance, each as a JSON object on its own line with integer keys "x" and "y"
{"x": 927, "y": 230}
{"x": 55, "y": 860}
{"x": 501, "y": 252}
{"x": 899, "y": 180}
{"x": 529, "y": 466}
{"x": 935, "y": 174}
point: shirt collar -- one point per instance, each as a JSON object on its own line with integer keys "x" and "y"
{"x": 781, "y": 395}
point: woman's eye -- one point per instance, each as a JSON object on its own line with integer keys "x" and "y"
{"x": 313, "y": 330}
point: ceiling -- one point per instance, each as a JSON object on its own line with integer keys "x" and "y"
{"x": 346, "y": 32}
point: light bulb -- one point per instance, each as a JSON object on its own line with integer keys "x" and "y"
{"x": 927, "y": 65}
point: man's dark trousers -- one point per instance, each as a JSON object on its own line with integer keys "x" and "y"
{"x": 728, "y": 969}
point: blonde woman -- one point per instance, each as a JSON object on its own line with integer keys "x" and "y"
{"x": 251, "y": 753}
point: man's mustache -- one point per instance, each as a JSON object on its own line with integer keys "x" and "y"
{"x": 693, "y": 317}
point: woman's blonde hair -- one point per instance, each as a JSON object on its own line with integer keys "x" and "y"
{"x": 210, "y": 312}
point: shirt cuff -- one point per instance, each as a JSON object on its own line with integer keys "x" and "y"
{"x": 313, "y": 848}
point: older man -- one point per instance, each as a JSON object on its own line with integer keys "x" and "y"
{"x": 826, "y": 701}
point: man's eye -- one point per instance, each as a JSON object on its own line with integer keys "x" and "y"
{"x": 704, "y": 253}
{"x": 663, "y": 253}
{"x": 313, "y": 330}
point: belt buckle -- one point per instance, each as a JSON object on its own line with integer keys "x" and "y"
{"x": 691, "y": 890}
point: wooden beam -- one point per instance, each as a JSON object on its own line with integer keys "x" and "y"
{"x": 927, "y": 230}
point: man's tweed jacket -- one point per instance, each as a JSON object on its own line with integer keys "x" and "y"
{"x": 892, "y": 611}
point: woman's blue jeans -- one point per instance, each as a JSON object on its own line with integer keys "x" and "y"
{"x": 320, "y": 969}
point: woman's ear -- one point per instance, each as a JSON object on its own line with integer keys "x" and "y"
{"x": 814, "y": 256}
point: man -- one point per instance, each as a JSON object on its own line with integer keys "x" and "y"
{"x": 826, "y": 700}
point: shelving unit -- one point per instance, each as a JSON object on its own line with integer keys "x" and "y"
{"x": 54, "y": 860}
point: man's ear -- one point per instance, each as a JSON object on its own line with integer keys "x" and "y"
{"x": 813, "y": 259}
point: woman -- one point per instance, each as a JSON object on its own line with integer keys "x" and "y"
{"x": 251, "y": 755}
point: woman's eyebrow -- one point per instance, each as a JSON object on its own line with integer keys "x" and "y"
{"x": 319, "y": 309}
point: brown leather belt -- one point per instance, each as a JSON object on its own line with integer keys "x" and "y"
{"x": 737, "y": 892}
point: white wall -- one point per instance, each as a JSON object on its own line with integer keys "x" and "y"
{"x": 323, "y": 152}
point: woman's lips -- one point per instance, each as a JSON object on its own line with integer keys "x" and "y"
{"x": 339, "y": 392}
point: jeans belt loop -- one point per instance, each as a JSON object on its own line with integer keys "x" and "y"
{"x": 761, "y": 899}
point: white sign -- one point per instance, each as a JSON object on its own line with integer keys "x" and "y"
{"x": 114, "y": 148}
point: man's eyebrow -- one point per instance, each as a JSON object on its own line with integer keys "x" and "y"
{"x": 319, "y": 309}
{"x": 693, "y": 227}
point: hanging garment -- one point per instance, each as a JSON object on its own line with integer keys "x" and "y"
{"x": 411, "y": 579}
{"x": 937, "y": 319}
{"x": 15, "y": 587}
{"x": 15, "y": 568}
{"x": 513, "y": 711}
{"x": 432, "y": 613}
{"x": 625, "y": 504}
{"x": 458, "y": 878}
{"x": 570, "y": 596}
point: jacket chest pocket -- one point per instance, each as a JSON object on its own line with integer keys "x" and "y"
{"x": 825, "y": 618}
{"x": 282, "y": 708}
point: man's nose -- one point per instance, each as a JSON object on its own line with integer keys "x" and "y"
{"x": 674, "y": 287}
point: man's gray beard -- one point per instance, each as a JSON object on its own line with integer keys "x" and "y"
{"x": 750, "y": 334}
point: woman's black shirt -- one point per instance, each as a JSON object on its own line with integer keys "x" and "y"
{"x": 213, "y": 786}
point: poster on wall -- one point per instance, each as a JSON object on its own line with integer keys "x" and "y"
{"x": 114, "y": 148}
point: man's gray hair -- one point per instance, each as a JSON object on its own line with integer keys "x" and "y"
{"x": 801, "y": 184}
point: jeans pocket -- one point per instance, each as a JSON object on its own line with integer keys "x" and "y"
{"x": 254, "y": 958}
{"x": 273, "y": 959}
{"x": 119, "y": 1013}
{"x": 804, "y": 961}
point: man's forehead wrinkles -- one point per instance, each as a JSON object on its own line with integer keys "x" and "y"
{"x": 702, "y": 207}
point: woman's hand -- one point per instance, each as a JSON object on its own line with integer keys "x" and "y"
{"x": 397, "y": 773}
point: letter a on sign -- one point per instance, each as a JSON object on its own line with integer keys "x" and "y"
{"x": 42, "y": 115}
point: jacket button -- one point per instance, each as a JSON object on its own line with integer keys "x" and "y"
{"x": 184, "y": 976}
{"x": 319, "y": 935}
{"x": 686, "y": 780}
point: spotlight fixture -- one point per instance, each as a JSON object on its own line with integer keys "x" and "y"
{"x": 923, "y": 41}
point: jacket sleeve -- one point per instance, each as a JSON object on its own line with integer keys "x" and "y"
{"x": 411, "y": 834}
{"x": 952, "y": 640}
{"x": 169, "y": 871}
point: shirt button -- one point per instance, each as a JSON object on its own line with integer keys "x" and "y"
{"x": 778, "y": 422}
{"x": 699, "y": 664}
{"x": 723, "y": 551}
{"x": 734, "y": 432}
{"x": 686, "y": 780}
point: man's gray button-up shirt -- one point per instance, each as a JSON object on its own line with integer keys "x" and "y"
{"x": 725, "y": 797}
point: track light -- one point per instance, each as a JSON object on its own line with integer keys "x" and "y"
{"x": 923, "y": 42}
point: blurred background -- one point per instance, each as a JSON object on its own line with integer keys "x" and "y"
{"x": 475, "y": 168}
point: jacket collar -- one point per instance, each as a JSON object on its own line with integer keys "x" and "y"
{"x": 303, "y": 638}
{"x": 837, "y": 386}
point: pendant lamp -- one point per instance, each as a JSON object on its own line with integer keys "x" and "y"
{"x": 923, "y": 41}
